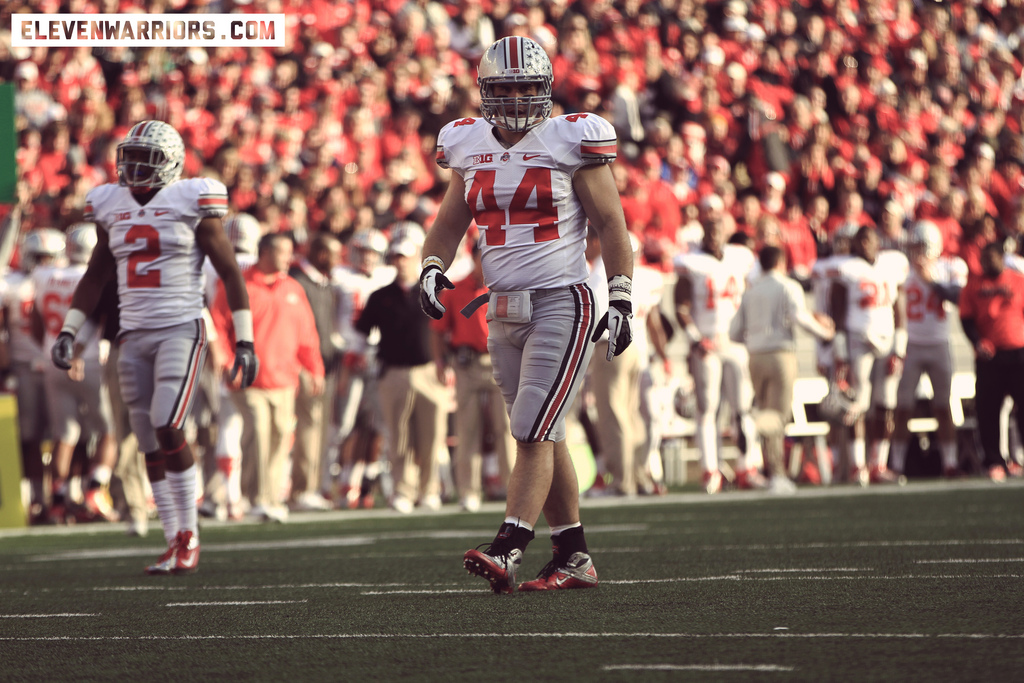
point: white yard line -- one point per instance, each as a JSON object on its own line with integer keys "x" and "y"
{"x": 45, "y": 616}
{"x": 441, "y": 589}
{"x": 234, "y": 603}
{"x": 696, "y": 667}
{"x": 340, "y": 541}
{"x": 969, "y": 560}
{"x": 349, "y": 541}
{"x": 571, "y": 635}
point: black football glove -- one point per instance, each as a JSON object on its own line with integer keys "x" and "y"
{"x": 618, "y": 321}
{"x": 432, "y": 281}
{"x": 63, "y": 350}
{"x": 246, "y": 363}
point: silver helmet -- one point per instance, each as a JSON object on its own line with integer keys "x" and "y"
{"x": 40, "y": 243}
{"x": 244, "y": 233}
{"x": 80, "y": 242}
{"x": 371, "y": 240}
{"x": 515, "y": 59}
{"x": 152, "y": 155}
{"x": 927, "y": 237}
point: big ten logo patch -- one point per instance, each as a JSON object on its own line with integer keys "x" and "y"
{"x": 482, "y": 159}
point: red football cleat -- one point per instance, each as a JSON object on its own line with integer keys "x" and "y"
{"x": 188, "y": 553}
{"x": 577, "y": 572}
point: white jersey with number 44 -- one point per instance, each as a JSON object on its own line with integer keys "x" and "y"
{"x": 159, "y": 263}
{"x": 871, "y": 292}
{"x": 718, "y": 286}
{"x": 927, "y": 313}
{"x": 522, "y": 198}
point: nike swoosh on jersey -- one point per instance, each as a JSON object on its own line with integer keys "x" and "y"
{"x": 160, "y": 213}
{"x": 527, "y": 157}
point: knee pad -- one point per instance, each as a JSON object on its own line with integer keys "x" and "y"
{"x": 143, "y": 429}
{"x": 524, "y": 422}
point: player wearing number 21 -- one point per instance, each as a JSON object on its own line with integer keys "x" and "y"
{"x": 868, "y": 303}
{"x": 153, "y": 231}
{"x": 531, "y": 183}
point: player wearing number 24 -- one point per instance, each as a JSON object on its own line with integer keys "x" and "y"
{"x": 153, "y": 231}
{"x": 531, "y": 183}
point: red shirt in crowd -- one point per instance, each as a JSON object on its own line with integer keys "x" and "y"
{"x": 284, "y": 332}
{"x": 997, "y": 307}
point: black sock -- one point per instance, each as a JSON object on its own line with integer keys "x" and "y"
{"x": 511, "y": 537}
{"x": 568, "y": 542}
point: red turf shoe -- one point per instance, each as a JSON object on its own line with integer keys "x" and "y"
{"x": 712, "y": 481}
{"x": 751, "y": 479}
{"x": 499, "y": 570}
{"x": 165, "y": 563}
{"x": 883, "y": 475}
{"x": 577, "y": 572}
{"x": 100, "y": 505}
{"x": 188, "y": 553}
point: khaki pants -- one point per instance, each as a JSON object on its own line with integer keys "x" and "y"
{"x": 476, "y": 395}
{"x": 310, "y": 434}
{"x": 411, "y": 403}
{"x": 268, "y": 416}
{"x": 773, "y": 374}
{"x": 616, "y": 386}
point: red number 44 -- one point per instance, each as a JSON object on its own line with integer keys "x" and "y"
{"x": 543, "y": 214}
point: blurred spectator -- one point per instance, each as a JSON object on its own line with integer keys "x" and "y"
{"x": 314, "y": 401}
{"x": 411, "y": 398}
{"x": 286, "y": 334}
{"x": 461, "y": 346}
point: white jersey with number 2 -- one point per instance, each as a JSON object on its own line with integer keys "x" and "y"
{"x": 159, "y": 264}
{"x": 522, "y": 198}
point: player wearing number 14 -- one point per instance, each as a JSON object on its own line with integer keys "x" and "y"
{"x": 153, "y": 231}
{"x": 531, "y": 183}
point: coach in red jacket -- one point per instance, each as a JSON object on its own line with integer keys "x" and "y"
{"x": 285, "y": 335}
{"x": 992, "y": 313}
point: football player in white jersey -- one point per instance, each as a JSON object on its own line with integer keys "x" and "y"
{"x": 708, "y": 292}
{"x": 531, "y": 182}
{"x": 356, "y": 428}
{"x": 868, "y": 305}
{"x": 77, "y": 399}
{"x": 26, "y": 356}
{"x": 933, "y": 289}
{"x": 153, "y": 232}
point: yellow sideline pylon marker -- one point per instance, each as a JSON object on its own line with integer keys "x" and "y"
{"x": 12, "y": 514}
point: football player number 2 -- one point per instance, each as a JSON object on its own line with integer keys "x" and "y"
{"x": 150, "y": 252}
{"x": 543, "y": 214}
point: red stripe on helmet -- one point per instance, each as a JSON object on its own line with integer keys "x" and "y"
{"x": 515, "y": 49}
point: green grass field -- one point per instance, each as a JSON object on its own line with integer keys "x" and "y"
{"x": 922, "y": 583}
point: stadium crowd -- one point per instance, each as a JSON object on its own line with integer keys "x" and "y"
{"x": 791, "y": 123}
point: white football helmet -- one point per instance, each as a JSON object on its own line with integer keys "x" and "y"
{"x": 927, "y": 237}
{"x": 243, "y": 231}
{"x": 41, "y": 243}
{"x": 371, "y": 240}
{"x": 515, "y": 59}
{"x": 152, "y": 155}
{"x": 81, "y": 242}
